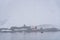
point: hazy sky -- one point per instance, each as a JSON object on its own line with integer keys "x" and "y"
{"x": 30, "y": 12}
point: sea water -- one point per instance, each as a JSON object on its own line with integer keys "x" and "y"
{"x": 30, "y": 36}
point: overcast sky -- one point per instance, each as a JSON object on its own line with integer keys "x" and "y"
{"x": 29, "y": 12}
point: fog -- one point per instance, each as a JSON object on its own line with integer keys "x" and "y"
{"x": 29, "y": 12}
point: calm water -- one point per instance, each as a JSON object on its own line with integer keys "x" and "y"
{"x": 30, "y": 36}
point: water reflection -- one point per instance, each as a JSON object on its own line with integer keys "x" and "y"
{"x": 30, "y": 36}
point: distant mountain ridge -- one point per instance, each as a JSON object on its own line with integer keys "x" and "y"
{"x": 48, "y": 26}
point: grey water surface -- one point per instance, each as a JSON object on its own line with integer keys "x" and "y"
{"x": 30, "y": 36}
